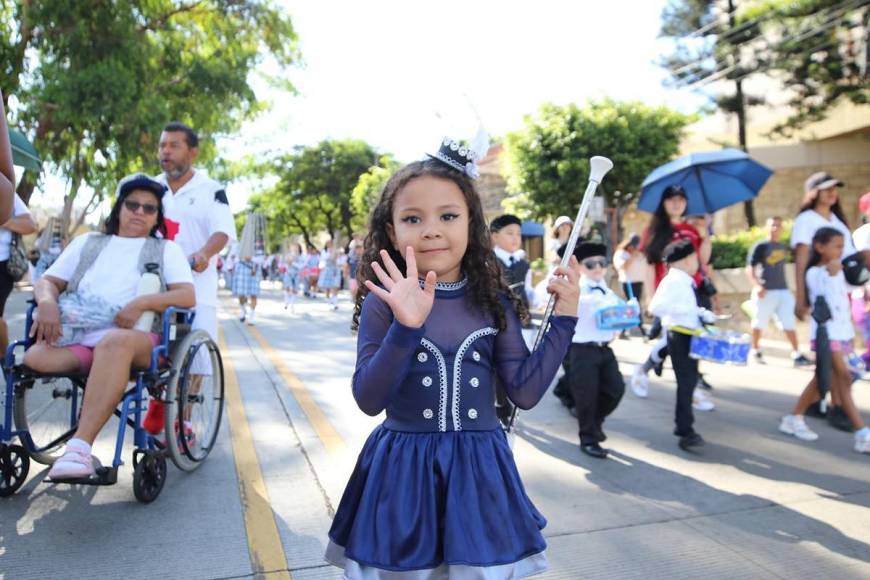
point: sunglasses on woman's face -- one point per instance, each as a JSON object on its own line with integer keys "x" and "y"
{"x": 592, "y": 263}
{"x": 133, "y": 207}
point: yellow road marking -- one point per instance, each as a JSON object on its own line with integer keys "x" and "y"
{"x": 324, "y": 429}
{"x": 264, "y": 541}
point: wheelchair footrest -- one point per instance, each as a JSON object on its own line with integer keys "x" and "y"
{"x": 103, "y": 476}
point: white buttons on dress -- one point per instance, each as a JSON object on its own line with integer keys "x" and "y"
{"x": 476, "y": 356}
{"x": 475, "y": 382}
{"x": 427, "y": 381}
{"x": 422, "y": 357}
{"x": 472, "y": 413}
{"x": 428, "y": 414}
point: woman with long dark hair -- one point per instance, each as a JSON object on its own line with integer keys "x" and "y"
{"x": 819, "y": 208}
{"x": 669, "y": 224}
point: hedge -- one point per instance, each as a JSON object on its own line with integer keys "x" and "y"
{"x": 731, "y": 250}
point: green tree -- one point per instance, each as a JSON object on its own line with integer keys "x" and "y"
{"x": 707, "y": 43}
{"x": 819, "y": 49}
{"x": 549, "y": 157}
{"x": 95, "y": 81}
{"x": 313, "y": 189}
{"x": 315, "y": 185}
{"x": 368, "y": 189}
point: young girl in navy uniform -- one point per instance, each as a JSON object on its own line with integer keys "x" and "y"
{"x": 435, "y": 492}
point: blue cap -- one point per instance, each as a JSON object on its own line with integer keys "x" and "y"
{"x": 140, "y": 181}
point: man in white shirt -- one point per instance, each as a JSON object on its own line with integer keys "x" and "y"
{"x": 198, "y": 217}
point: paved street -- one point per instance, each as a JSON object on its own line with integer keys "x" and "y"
{"x": 753, "y": 504}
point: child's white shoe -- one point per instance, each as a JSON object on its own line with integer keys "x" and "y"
{"x": 639, "y": 383}
{"x": 795, "y": 425}
{"x": 862, "y": 440}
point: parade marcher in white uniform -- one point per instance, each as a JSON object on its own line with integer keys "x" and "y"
{"x": 594, "y": 380}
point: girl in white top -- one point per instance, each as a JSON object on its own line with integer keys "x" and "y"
{"x": 825, "y": 279}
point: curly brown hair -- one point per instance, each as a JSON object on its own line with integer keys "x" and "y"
{"x": 485, "y": 278}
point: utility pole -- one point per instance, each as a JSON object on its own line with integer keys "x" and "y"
{"x": 740, "y": 111}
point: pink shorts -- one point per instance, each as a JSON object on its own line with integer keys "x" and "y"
{"x": 85, "y": 354}
{"x": 844, "y": 346}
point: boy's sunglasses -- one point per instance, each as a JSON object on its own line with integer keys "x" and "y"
{"x": 133, "y": 207}
{"x": 592, "y": 263}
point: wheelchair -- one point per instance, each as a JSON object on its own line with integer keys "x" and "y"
{"x": 41, "y": 410}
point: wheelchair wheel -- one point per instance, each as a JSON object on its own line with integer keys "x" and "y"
{"x": 14, "y": 466}
{"x": 194, "y": 400}
{"x": 48, "y": 408}
{"x": 149, "y": 475}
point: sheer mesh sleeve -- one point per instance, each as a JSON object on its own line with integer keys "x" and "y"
{"x": 385, "y": 350}
{"x": 526, "y": 376}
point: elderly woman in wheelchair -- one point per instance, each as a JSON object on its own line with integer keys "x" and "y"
{"x": 88, "y": 303}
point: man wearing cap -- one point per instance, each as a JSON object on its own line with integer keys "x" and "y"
{"x": 820, "y": 208}
{"x": 198, "y": 216}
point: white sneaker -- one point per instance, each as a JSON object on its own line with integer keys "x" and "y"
{"x": 701, "y": 402}
{"x": 862, "y": 440}
{"x": 639, "y": 383}
{"x": 795, "y": 425}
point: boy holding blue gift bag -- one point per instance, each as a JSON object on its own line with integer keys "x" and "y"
{"x": 594, "y": 380}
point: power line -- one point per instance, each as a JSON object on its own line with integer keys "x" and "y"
{"x": 723, "y": 63}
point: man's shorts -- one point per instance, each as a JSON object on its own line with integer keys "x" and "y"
{"x": 205, "y": 319}
{"x": 779, "y": 303}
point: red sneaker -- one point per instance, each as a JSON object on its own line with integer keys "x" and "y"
{"x": 155, "y": 417}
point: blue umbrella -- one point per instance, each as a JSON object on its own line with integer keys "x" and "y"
{"x": 712, "y": 180}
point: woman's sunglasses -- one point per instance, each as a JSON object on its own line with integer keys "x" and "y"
{"x": 592, "y": 263}
{"x": 147, "y": 208}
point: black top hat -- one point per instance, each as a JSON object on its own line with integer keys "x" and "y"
{"x": 457, "y": 156}
{"x": 677, "y": 250}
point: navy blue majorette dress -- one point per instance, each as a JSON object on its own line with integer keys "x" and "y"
{"x": 435, "y": 492}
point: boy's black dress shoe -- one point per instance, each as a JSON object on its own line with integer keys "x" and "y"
{"x": 688, "y": 442}
{"x": 594, "y": 450}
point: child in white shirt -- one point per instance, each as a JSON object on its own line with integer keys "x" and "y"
{"x": 592, "y": 373}
{"x": 674, "y": 302}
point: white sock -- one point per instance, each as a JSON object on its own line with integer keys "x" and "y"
{"x": 795, "y": 354}
{"x": 244, "y": 310}
{"x": 862, "y": 433}
{"x": 79, "y": 445}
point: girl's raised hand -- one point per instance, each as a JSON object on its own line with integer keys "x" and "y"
{"x": 565, "y": 284}
{"x": 410, "y": 303}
